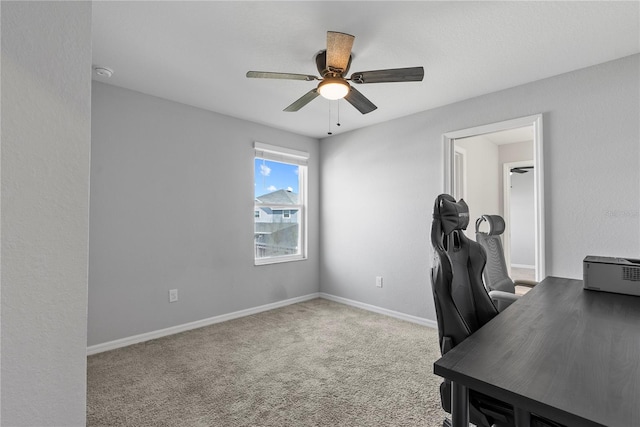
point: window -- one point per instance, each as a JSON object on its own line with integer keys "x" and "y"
{"x": 279, "y": 204}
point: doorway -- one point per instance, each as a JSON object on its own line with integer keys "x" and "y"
{"x": 514, "y": 146}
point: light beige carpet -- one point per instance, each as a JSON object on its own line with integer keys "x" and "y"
{"x": 316, "y": 363}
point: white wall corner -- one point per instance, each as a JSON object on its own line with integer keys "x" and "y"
{"x": 391, "y": 313}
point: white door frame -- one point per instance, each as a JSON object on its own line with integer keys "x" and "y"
{"x": 535, "y": 121}
{"x": 462, "y": 173}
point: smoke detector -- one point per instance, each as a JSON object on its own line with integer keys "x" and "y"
{"x": 103, "y": 72}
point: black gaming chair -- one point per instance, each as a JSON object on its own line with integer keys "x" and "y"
{"x": 496, "y": 276}
{"x": 463, "y": 304}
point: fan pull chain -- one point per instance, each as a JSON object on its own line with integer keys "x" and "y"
{"x": 337, "y": 113}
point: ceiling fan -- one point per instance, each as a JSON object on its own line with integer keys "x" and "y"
{"x": 333, "y": 64}
{"x": 521, "y": 169}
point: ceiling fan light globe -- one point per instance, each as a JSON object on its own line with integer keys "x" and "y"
{"x": 333, "y": 88}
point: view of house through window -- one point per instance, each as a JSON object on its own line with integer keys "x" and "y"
{"x": 279, "y": 226}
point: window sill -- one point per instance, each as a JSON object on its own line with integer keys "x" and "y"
{"x": 278, "y": 260}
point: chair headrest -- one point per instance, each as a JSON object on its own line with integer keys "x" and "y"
{"x": 452, "y": 215}
{"x": 496, "y": 224}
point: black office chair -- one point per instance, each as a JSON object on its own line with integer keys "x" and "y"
{"x": 496, "y": 276}
{"x": 461, "y": 300}
{"x": 463, "y": 304}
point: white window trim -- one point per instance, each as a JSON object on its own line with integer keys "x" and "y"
{"x": 281, "y": 154}
{"x": 300, "y": 158}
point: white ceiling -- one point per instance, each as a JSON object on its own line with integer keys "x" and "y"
{"x": 198, "y": 52}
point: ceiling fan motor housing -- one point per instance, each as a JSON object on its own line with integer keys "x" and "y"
{"x": 321, "y": 64}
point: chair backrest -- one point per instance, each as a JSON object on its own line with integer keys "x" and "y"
{"x": 496, "y": 275}
{"x": 461, "y": 300}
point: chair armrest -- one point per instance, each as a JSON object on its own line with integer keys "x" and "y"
{"x": 527, "y": 283}
{"x": 502, "y": 299}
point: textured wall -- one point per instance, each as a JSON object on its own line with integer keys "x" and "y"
{"x": 172, "y": 208}
{"x": 379, "y": 183}
{"x": 483, "y": 177}
{"x": 46, "y": 129}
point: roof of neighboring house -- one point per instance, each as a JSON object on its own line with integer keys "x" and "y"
{"x": 274, "y": 227}
{"x": 279, "y": 197}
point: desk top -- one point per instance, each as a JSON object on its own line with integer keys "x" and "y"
{"x": 562, "y": 352}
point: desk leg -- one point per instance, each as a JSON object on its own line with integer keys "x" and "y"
{"x": 522, "y": 417}
{"x": 459, "y": 405}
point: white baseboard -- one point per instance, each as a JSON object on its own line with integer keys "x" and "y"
{"x": 380, "y": 310}
{"x": 529, "y": 267}
{"x": 135, "y": 339}
{"x": 112, "y": 345}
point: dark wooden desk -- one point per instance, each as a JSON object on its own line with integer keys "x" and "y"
{"x": 569, "y": 355}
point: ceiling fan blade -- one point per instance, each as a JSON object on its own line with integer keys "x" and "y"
{"x": 338, "y": 51}
{"x": 284, "y": 76}
{"x": 412, "y": 74}
{"x": 303, "y": 100}
{"x": 360, "y": 101}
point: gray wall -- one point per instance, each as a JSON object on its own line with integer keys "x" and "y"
{"x": 483, "y": 177}
{"x": 172, "y": 208}
{"x": 46, "y": 130}
{"x": 379, "y": 183}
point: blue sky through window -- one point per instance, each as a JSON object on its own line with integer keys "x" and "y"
{"x": 271, "y": 176}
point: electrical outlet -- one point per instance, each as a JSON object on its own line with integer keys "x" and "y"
{"x": 379, "y": 281}
{"x": 173, "y": 295}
